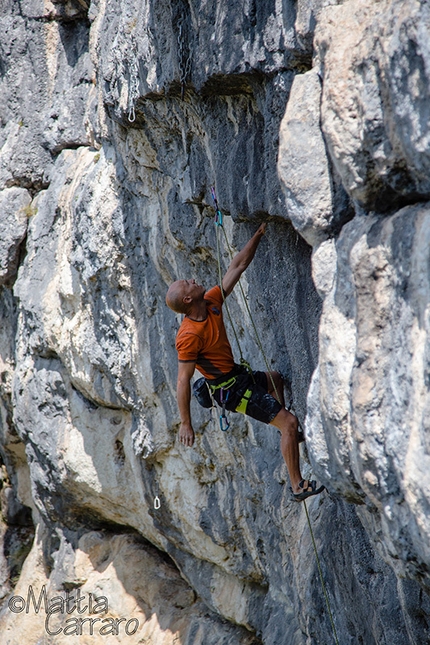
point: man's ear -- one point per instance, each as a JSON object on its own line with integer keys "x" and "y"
{"x": 187, "y": 299}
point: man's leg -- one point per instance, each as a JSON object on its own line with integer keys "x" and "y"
{"x": 263, "y": 406}
{"x": 275, "y": 386}
{"x": 287, "y": 423}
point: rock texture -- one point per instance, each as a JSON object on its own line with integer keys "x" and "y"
{"x": 116, "y": 119}
{"x": 130, "y": 592}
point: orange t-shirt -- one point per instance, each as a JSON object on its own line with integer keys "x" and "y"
{"x": 206, "y": 341}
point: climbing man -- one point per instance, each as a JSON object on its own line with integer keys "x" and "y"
{"x": 202, "y": 342}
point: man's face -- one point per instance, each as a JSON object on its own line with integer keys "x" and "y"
{"x": 192, "y": 289}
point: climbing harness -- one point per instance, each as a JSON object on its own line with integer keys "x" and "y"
{"x": 247, "y": 394}
{"x": 225, "y": 390}
{"x": 244, "y": 402}
{"x": 204, "y": 392}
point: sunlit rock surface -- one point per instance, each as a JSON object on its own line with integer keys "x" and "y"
{"x": 116, "y": 120}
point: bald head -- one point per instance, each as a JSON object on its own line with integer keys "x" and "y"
{"x": 175, "y": 297}
{"x": 184, "y": 296}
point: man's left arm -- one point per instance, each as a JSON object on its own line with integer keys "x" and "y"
{"x": 241, "y": 261}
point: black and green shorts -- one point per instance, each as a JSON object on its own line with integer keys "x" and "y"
{"x": 246, "y": 393}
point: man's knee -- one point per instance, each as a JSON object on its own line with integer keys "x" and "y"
{"x": 292, "y": 421}
{"x": 286, "y": 422}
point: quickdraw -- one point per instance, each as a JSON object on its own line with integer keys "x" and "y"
{"x": 223, "y": 387}
{"x": 133, "y": 84}
{"x": 218, "y": 214}
{"x": 241, "y": 407}
{"x": 223, "y": 421}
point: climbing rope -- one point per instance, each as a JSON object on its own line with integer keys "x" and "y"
{"x": 219, "y": 224}
{"x": 327, "y": 600}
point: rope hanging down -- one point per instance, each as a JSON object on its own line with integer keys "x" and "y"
{"x": 219, "y": 225}
{"x": 326, "y": 598}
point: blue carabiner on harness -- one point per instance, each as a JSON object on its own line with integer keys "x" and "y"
{"x": 218, "y": 214}
{"x": 223, "y": 421}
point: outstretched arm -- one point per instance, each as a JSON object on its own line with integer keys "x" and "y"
{"x": 183, "y": 393}
{"x": 241, "y": 261}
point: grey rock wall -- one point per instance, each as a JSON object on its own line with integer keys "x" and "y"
{"x": 116, "y": 119}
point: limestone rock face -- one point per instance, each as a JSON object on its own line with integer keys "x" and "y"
{"x": 375, "y": 96}
{"x": 14, "y": 212}
{"x": 116, "y": 120}
{"x": 375, "y": 435}
{"x": 111, "y": 589}
{"x": 316, "y": 202}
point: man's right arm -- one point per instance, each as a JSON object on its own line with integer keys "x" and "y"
{"x": 242, "y": 260}
{"x": 183, "y": 393}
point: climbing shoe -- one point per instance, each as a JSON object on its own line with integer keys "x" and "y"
{"x": 308, "y": 491}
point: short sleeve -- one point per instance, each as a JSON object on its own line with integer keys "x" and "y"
{"x": 214, "y": 296}
{"x": 188, "y": 347}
